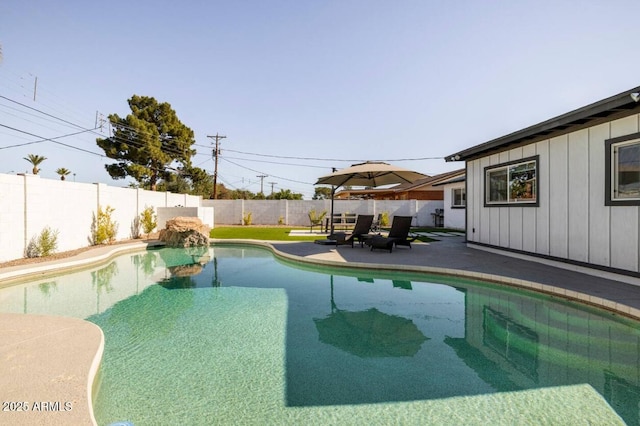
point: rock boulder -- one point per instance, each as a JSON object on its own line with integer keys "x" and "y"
{"x": 185, "y": 232}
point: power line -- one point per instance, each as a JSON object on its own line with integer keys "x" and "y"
{"x": 277, "y": 162}
{"x": 257, "y": 171}
{"x": 334, "y": 159}
{"x": 43, "y": 139}
{"x": 41, "y": 112}
{"x": 133, "y": 142}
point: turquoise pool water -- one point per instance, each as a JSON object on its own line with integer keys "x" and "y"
{"x": 232, "y": 335}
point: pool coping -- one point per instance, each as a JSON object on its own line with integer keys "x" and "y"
{"x": 94, "y": 257}
{"x": 599, "y": 302}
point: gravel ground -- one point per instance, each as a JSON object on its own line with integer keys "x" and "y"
{"x": 55, "y": 256}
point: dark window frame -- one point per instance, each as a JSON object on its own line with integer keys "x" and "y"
{"x": 608, "y": 173}
{"x": 536, "y": 203}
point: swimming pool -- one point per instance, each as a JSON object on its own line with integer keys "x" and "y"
{"x": 232, "y": 335}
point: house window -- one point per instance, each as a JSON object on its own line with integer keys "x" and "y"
{"x": 623, "y": 170}
{"x": 513, "y": 183}
{"x": 458, "y": 198}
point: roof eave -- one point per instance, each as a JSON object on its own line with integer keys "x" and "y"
{"x": 621, "y": 103}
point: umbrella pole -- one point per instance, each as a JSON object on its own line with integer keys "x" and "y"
{"x": 333, "y": 194}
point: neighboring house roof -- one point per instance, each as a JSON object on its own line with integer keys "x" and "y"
{"x": 614, "y": 107}
{"x": 418, "y": 185}
{"x": 428, "y": 181}
{"x": 455, "y": 179}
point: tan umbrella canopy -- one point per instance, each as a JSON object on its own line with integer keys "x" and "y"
{"x": 371, "y": 333}
{"x": 371, "y": 173}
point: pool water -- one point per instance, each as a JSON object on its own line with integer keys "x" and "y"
{"x": 232, "y": 335}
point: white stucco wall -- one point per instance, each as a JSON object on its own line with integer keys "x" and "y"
{"x": 572, "y": 221}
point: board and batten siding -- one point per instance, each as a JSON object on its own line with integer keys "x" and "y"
{"x": 572, "y": 221}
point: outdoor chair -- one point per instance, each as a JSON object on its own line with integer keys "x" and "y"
{"x": 361, "y": 228}
{"x": 398, "y": 235}
{"x": 316, "y": 219}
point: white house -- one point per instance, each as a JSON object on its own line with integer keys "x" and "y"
{"x": 565, "y": 190}
{"x": 454, "y": 201}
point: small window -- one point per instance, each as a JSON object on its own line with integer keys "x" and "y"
{"x": 623, "y": 170}
{"x": 458, "y": 197}
{"x": 514, "y": 183}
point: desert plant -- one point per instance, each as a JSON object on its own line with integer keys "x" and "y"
{"x": 35, "y": 161}
{"x": 246, "y": 218}
{"x": 63, "y": 173}
{"x": 316, "y": 218}
{"x": 148, "y": 220}
{"x": 32, "y": 249}
{"x": 44, "y": 244}
{"x": 103, "y": 227}
{"x": 384, "y": 219}
{"x": 135, "y": 227}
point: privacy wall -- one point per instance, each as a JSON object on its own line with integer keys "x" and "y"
{"x": 296, "y": 212}
{"x": 571, "y": 220}
{"x": 28, "y": 204}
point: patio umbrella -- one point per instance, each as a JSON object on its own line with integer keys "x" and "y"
{"x": 370, "y": 333}
{"x": 370, "y": 173}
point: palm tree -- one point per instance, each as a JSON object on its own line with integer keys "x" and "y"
{"x": 35, "y": 160}
{"x": 63, "y": 172}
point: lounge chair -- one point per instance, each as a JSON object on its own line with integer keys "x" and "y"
{"x": 362, "y": 227}
{"x": 398, "y": 235}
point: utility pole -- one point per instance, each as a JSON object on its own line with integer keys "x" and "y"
{"x": 272, "y": 183}
{"x": 261, "y": 182}
{"x": 216, "y": 152}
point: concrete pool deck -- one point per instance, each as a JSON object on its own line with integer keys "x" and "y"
{"x": 48, "y": 364}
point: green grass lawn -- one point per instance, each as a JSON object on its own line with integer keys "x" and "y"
{"x": 276, "y": 233}
{"x": 281, "y": 233}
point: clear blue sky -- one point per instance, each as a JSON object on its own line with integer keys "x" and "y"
{"x": 352, "y": 80}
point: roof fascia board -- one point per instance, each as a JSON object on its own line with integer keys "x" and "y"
{"x": 617, "y": 106}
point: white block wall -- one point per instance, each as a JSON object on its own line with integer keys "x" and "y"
{"x": 29, "y": 203}
{"x": 205, "y": 214}
{"x": 296, "y": 212}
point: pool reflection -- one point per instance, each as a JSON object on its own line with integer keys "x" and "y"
{"x": 355, "y": 337}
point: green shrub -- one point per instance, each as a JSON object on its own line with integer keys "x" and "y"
{"x": 384, "y": 219}
{"x": 148, "y": 220}
{"x": 44, "y": 244}
{"x": 315, "y": 218}
{"x": 104, "y": 228}
{"x": 281, "y": 220}
{"x": 246, "y": 218}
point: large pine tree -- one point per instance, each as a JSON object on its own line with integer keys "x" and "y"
{"x": 147, "y": 143}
